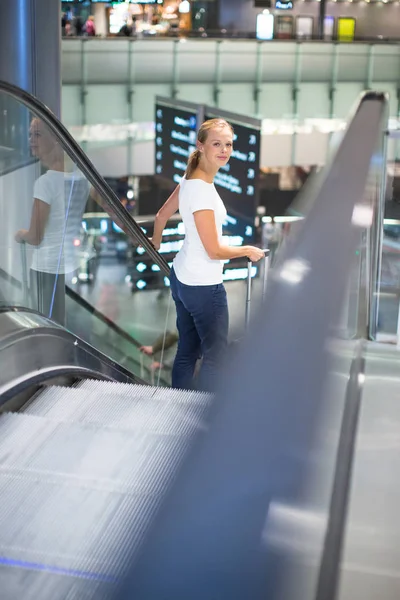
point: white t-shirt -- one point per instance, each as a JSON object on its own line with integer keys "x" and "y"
{"x": 64, "y": 192}
{"x": 192, "y": 264}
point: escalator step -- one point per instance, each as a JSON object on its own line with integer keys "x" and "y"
{"x": 82, "y": 474}
{"x": 30, "y": 581}
{"x": 130, "y": 390}
{"x": 110, "y": 459}
{"x": 120, "y": 410}
{"x": 63, "y": 528}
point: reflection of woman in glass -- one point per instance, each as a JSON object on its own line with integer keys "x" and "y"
{"x": 55, "y": 228}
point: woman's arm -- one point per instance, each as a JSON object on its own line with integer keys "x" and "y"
{"x": 168, "y": 209}
{"x": 34, "y": 235}
{"x": 207, "y": 230}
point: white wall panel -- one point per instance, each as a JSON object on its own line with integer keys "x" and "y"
{"x": 107, "y": 61}
{"x": 316, "y": 62}
{"x": 202, "y": 93}
{"x": 153, "y": 61}
{"x": 276, "y": 150}
{"x": 112, "y": 161}
{"x": 71, "y": 108}
{"x": 144, "y": 100}
{"x": 196, "y": 61}
{"x": 71, "y": 61}
{"x": 345, "y": 98}
{"x": 313, "y": 100}
{"x": 311, "y": 148}
{"x": 238, "y": 61}
{"x": 276, "y": 101}
{"x": 106, "y": 104}
{"x": 237, "y": 97}
{"x": 386, "y": 62}
{"x": 353, "y": 62}
{"x": 278, "y": 61}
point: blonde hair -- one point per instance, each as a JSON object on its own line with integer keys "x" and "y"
{"x": 206, "y": 127}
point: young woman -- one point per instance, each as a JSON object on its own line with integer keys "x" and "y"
{"x": 196, "y": 276}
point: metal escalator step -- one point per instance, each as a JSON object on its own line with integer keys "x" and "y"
{"x": 130, "y": 390}
{"x": 30, "y": 581}
{"x": 113, "y": 387}
{"x": 109, "y": 459}
{"x": 59, "y": 528}
{"x": 119, "y": 411}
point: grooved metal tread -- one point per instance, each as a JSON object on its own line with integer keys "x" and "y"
{"x": 38, "y": 582}
{"x": 83, "y": 472}
{"x": 130, "y": 390}
{"x": 82, "y": 532}
{"x": 92, "y": 455}
{"x": 152, "y": 414}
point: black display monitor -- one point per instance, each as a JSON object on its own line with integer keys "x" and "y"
{"x": 238, "y": 182}
{"x": 132, "y": 1}
{"x": 262, "y": 3}
{"x": 176, "y": 125}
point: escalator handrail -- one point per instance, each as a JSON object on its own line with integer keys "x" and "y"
{"x": 77, "y": 155}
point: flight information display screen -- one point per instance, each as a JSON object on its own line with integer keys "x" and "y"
{"x": 176, "y": 133}
{"x": 238, "y": 181}
{"x": 176, "y": 126}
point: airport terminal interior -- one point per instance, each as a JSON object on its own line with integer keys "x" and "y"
{"x": 281, "y": 482}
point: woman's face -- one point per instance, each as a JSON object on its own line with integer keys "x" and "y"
{"x": 40, "y": 140}
{"x": 217, "y": 148}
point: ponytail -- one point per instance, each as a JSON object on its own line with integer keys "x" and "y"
{"x": 193, "y": 163}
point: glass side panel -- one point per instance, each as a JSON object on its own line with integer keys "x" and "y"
{"x": 57, "y": 238}
{"x": 389, "y": 283}
{"x": 118, "y": 345}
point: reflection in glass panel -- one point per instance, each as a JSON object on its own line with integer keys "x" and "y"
{"x": 64, "y": 256}
{"x": 389, "y": 290}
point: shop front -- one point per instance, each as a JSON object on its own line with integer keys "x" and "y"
{"x": 159, "y": 17}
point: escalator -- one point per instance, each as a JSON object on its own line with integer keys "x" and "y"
{"x": 99, "y": 331}
{"x": 111, "y": 489}
{"x": 69, "y": 248}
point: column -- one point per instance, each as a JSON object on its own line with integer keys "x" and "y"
{"x": 30, "y": 51}
{"x": 321, "y": 19}
{"x": 30, "y": 47}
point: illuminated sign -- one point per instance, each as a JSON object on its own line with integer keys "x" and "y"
{"x": 114, "y": 2}
{"x": 176, "y": 125}
{"x": 265, "y": 26}
{"x": 238, "y": 181}
{"x": 184, "y": 7}
{"x": 284, "y": 4}
{"x": 176, "y": 133}
{"x": 346, "y": 29}
{"x": 329, "y": 23}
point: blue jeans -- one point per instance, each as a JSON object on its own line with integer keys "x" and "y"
{"x": 202, "y": 322}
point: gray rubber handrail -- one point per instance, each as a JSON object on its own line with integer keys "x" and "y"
{"x": 77, "y": 155}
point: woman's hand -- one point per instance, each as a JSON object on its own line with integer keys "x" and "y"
{"x": 20, "y": 235}
{"x": 148, "y": 350}
{"x": 155, "y": 243}
{"x": 255, "y": 254}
